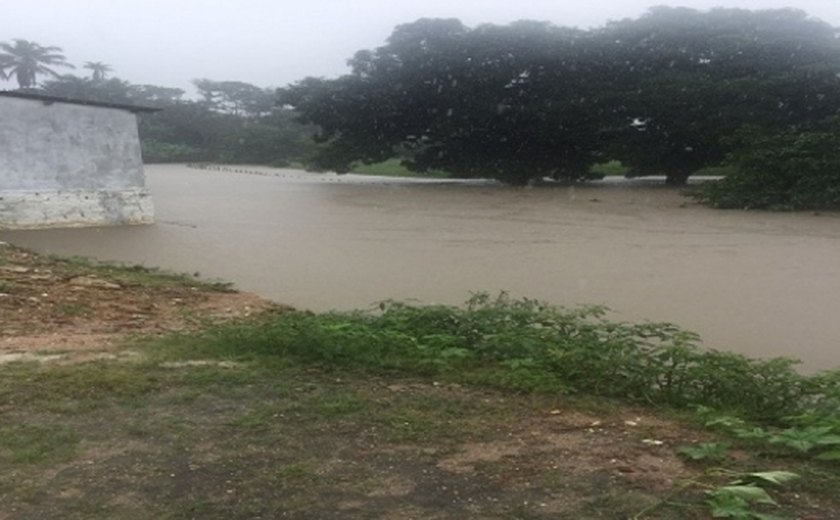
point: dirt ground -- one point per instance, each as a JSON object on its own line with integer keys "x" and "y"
{"x": 92, "y": 431}
{"x": 71, "y": 309}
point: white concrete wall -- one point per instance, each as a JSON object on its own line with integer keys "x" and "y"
{"x": 69, "y": 165}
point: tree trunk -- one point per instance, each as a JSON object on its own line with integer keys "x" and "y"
{"x": 677, "y": 178}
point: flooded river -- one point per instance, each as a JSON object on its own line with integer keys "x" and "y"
{"x": 759, "y": 283}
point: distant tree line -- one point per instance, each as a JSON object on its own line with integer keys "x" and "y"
{"x": 668, "y": 93}
{"x": 672, "y": 92}
{"x": 232, "y": 121}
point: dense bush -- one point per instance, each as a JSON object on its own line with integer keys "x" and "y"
{"x": 530, "y": 346}
{"x": 790, "y": 170}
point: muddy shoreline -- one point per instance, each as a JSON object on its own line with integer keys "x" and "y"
{"x": 763, "y": 284}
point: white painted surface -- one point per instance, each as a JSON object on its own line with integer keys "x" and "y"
{"x": 76, "y": 208}
{"x": 69, "y": 165}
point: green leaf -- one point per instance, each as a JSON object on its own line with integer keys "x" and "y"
{"x": 829, "y": 440}
{"x": 829, "y": 455}
{"x": 727, "y": 505}
{"x": 754, "y": 434}
{"x": 725, "y": 421}
{"x": 765, "y": 516}
{"x": 704, "y": 450}
{"x": 748, "y": 493}
{"x": 775, "y": 477}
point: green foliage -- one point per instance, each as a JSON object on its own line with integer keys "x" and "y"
{"x": 609, "y": 169}
{"x": 789, "y": 170}
{"x": 235, "y": 97}
{"x": 811, "y": 433}
{"x": 704, "y": 451}
{"x": 501, "y": 102}
{"x": 26, "y": 60}
{"x": 736, "y": 502}
{"x": 157, "y": 152}
{"x": 529, "y": 345}
{"x": 806, "y": 439}
{"x": 393, "y": 168}
{"x": 236, "y": 122}
{"x": 31, "y": 444}
{"x": 691, "y": 79}
{"x": 661, "y": 93}
{"x": 274, "y": 139}
{"x": 738, "y": 498}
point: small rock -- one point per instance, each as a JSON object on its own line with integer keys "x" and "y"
{"x": 15, "y": 269}
{"x": 88, "y": 281}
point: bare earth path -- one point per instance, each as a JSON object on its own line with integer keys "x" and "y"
{"x": 763, "y": 284}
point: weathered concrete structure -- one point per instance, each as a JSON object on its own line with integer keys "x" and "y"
{"x": 70, "y": 163}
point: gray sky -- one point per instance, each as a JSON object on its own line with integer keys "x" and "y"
{"x": 271, "y": 43}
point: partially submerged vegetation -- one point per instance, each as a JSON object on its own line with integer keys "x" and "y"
{"x": 504, "y": 408}
{"x": 791, "y": 170}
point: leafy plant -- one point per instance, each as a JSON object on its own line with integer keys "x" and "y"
{"x": 811, "y": 434}
{"x": 704, "y": 451}
{"x": 529, "y": 345}
{"x": 806, "y": 439}
{"x": 737, "y": 499}
{"x": 789, "y": 171}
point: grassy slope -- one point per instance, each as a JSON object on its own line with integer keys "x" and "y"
{"x": 318, "y": 416}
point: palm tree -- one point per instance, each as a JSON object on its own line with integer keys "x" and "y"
{"x": 98, "y": 70}
{"x": 25, "y": 61}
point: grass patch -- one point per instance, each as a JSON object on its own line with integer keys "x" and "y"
{"x": 29, "y": 444}
{"x": 501, "y": 408}
{"x": 134, "y": 275}
{"x": 530, "y": 346}
{"x": 394, "y": 168}
{"x": 610, "y": 169}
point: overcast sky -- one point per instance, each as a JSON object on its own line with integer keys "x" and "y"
{"x": 274, "y": 42}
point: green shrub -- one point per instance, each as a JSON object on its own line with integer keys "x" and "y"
{"x": 528, "y": 345}
{"x": 787, "y": 171}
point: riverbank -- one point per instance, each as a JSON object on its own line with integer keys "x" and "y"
{"x": 208, "y": 406}
{"x": 765, "y": 284}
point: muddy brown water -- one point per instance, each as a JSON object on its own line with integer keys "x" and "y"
{"x": 759, "y": 283}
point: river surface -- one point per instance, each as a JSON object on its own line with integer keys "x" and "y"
{"x": 759, "y": 283}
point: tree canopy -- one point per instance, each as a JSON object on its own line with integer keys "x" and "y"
{"x": 25, "y": 61}
{"x": 98, "y": 70}
{"x": 529, "y": 100}
{"x": 235, "y": 97}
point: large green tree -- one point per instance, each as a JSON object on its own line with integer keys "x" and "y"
{"x": 690, "y": 79}
{"x": 505, "y": 102}
{"x": 26, "y": 60}
{"x": 792, "y": 169}
{"x": 662, "y": 93}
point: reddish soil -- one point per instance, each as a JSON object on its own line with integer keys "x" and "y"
{"x": 49, "y": 306}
